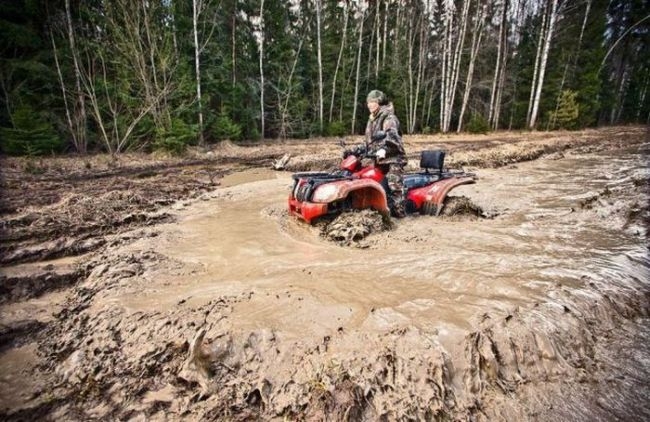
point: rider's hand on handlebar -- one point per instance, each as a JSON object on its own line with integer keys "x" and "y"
{"x": 381, "y": 154}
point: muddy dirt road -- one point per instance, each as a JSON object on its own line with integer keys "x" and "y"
{"x": 175, "y": 290}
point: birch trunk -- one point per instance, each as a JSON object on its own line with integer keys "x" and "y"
{"x": 498, "y": 67}
{"x": 261, "y": 48}
{"x": 71, "y": 126}
{"x": 356, "y": 82}
{"x": 370, "y": 46}
{"x": 584, "y": 25}
{"x": 338, "y": 60}
{"x": 409, "y": 95}
{"x": 320, "y": 65}
{"x": 542, "y": 70}
{"x": 444, "y": 82}
{"x": 196, "y": 5}
{"x": 234, "y": 46}
{"x": 383, "y": 45}
{"x": 497, "y": 105}
{"x": 460, "y": 42}
{"x": 80, "y": 116}
{"x": 418, "y": 80}
{"x": 477, "y": 34}
{"x": 451, "y": 61}
{"x": 378, "y": 36}
{"x": 503, "y": 42}
{"x": 538, "y": 56}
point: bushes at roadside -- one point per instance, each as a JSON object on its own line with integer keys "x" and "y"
{"x": 477, "y": 124}
{"x": 175, "y": 138}
{"x": 225, "y": 128}
{"x": 32, "y": 134}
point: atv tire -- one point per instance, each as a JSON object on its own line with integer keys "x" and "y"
{"x": 429, "y": 208}
{"x": 460, "y": 205}
{"x": 353, "y": 226}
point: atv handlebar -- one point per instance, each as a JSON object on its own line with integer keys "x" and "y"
{"x": 359, "y": 151}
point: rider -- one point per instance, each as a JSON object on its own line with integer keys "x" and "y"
{"x": 389, "y": 150}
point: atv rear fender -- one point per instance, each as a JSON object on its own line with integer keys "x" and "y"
{"x": 436, "y": 193}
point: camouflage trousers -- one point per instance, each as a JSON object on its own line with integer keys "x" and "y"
{"x": 395, "y": 178}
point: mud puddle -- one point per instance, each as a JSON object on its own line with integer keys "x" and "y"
{"x": 246, "y": 176}
{"x": 238, "y": 311}
{"x": 541, "y": 237}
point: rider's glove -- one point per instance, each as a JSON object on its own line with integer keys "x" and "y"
{"x": 381, "y": 154}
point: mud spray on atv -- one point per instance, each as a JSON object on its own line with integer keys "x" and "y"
{"x": 360, "y": 184}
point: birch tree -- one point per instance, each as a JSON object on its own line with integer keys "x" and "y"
{"x": 499, "y": 72}
{"x": 477, "y": 35}
{"x": 196, "y": 11}
{"x": 78, "y": 122}
{"x": 320, "y": 64}
{"x": 259, "y": 36}
{"x": 451, "y": 61}
{"x": 539, "y": 82}
{"x": 536, "y": 67}
{"x": 198, "y": 8}
{"x": 362, "y": 13}
{"x": 346, "y": 16}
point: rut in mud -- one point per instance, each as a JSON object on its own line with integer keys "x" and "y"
{"x": 234, "y": 311}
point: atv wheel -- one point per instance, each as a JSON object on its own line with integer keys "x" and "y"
{"x": 429, "y": 208}
{"x": 460, "y": 205}
{"x": 354, "y": 225}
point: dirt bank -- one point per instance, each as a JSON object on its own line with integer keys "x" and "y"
{"x": 170, "y": 289}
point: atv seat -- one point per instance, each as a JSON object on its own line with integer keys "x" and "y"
{"x": 432, "y": 160}
{"x": 417, "y": 180}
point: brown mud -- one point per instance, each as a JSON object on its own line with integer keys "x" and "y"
{"x": 171, "y": 289}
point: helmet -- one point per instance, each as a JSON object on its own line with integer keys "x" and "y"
{"x": 376, "y": 95}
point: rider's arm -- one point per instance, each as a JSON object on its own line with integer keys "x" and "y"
{"x": 391, "y": 127}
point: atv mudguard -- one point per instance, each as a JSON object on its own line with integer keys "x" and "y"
{"x": 358, "y": 193}
{"x": 435, "y": 194}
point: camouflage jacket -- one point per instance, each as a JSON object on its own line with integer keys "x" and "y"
{"x": 386, "y": 120}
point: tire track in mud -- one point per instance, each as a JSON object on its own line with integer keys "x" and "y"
{"x": 110, "y": 360}
{"x": 533, "y": 362}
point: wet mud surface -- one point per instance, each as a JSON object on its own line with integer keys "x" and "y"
{"x": 191, "y": 294}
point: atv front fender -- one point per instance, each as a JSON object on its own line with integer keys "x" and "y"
{"x": 357, "y": 193}
{"x": 360, "y": 193}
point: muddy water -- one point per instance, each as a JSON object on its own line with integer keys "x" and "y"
{"x": 438, "y": 275}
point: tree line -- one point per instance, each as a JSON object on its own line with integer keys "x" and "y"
{"x": 117, "y": 75}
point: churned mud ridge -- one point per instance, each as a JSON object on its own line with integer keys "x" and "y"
{"x": 76, "y": 225}
{"x": 504, "y": 154}
{"x": 25, "y": 285}
{"x": 104, "y": 361}
{"x": 608, "y": 206}
{"x": 486, "y": 151}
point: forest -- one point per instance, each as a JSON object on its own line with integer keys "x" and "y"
{"x": 141, "y": 75}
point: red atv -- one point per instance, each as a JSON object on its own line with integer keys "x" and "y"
{"x": 355, "y": 186}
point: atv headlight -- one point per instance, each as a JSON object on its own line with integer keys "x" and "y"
{"x": 325, "y": 193}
